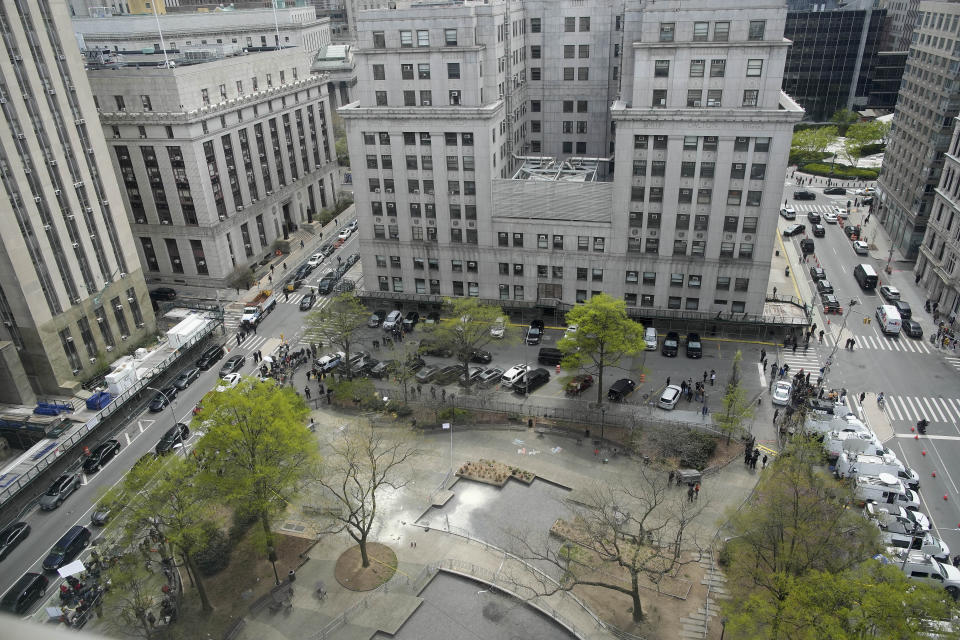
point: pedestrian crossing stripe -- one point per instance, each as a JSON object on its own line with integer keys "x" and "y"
{"x": 953, "y": 362}
{"x": 902, "y": 343}
{"x": 915, "y": 408}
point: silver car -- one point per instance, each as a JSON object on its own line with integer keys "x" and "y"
{"x": 60, "y": 490}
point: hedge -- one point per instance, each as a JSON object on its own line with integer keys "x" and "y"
{"x": 839, "y": 171}
{"x": 799, "y": 157}
{"x": 871, "y": 149}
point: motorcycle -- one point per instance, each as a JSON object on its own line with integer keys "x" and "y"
{"x": 922, "y": 427}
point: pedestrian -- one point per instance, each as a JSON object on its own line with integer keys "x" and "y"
{"x": 690, "y": 493}
{"x": 776, "y": 413}
{"x": 713, "y": 377}
{"x": 956, "y": 561}
{"x": 696, "y": 491}
{"x": 704, "y": 377}
{"x": 238, "y": 339}
{"x": 763, "y": 357}
{"x": 764, "y": 463}
{"x": 821, "y": 336}
{"x": 683, "y": 386}
{"x": 596, "y": 452}
{"x": 668, "y": 381}
{"x": 443, "y": 395}
{"x": 433, "y": 392}
{"x": 704, "y": 411}
{"x": 670, "y": 482}
{"x": 286, "y": 296}
{"x": 306, "y": 392}
{"x": 794, "y": 346}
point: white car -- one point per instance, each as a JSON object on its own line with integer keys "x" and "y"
{"x": 650, "y": 338}
{"x": 345, "y": 234}
{"x": 572, "y": 329}
{"x": 789, "y": 213}
{"x": 513, "y": 374}
{"x": 229, "y": 381}
{"x": 781, "y": 393}
{"x": 865, "y": 192}
{"x": 860, "y": 248}
{"x": 670, "y": 397}
{"x": 830, "y": 217}
{"x": 315, "y": 260}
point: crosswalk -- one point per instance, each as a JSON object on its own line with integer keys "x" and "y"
{"x": 231, "y": 316}
{"x": 903, "y": 344}
{"x": 809, "y": 361}
{"x": 953, "y": 362}
{"x": 914, "y": 408}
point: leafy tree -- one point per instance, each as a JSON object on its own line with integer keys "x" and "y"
{"x": 402, "y": 352}
{"x": 843, "y": 119}
{"x": 798, "y": 521}
{"x": 640, "y": 529}
{"x": 861, "y": 134}
{"x": 131, "y": 597}
{"x": 360, "y": 463}
{"x": 466, "y": 327}
{"x": 258, "y": 447}
{"x": 343, "y": 319}
{"x": 736, "y": 408}
{"x": 811, "y": 143}
{"x": 604, "y": 336}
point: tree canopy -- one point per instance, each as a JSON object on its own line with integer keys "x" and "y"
{"x": 342, "y": 320}
{"x": 843, "y": 119}
{"x": 737, "y": 409}
{"x": 465, "y": 327}
{"x": 256, "y": 449}
{"x": 812, "y": 143}
{"x": 604, "y": 336}
{"x": 861, "y": 134}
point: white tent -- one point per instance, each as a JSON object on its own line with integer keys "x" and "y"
{"x": 71, "y": 569}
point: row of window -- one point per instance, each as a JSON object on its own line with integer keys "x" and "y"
{"x": 567, "y": 146}
{"x": 718, "y": 68}
{"x": 698, "y": 248}
{"x": 569, "y": 24}
{"x": 721, "y": 31}
{"x": 704, "y": 196}
{"x": 422, "y": 98}
{"x": 688, "y": 169}
{"x": 415, "y": 163}
{"x": 407, "y": 39}
{"x": 707, "y": 143}
{"x": 425, "y": 186}
{"x": 567, "y": 106}
{"x": 731, "y": 224}
{"x": 103, "y": 323}
{"x": 410, "y": 138}
{"x": 751, "y": 98}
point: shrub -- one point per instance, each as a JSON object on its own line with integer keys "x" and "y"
{"x": 458, "y": 415}
{"x": 215, "y": 556}
{"x": 840, "y": 171}
{"x": 871, "y": 149}
{"x": 799, "y": 157}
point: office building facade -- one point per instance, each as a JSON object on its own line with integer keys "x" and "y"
{"x": 72, "y": 293}
{"x": 922, "y": 128}
{"x": 218, "y": 159}
{"x": 536, "y": 153}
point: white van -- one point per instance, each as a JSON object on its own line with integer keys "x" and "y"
{"x": 885, "y": 489}
{"x": 850, "y": 464}
{"x": 650, "y": 338}
{"x": 838, "y": 442}
{"x": 889, "y": 319}
{"x": 513, "y": 375}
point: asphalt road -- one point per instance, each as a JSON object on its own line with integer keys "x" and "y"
{"x": 918, "y": 380}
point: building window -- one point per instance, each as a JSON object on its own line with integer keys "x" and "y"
{"x": 379, "y": 73}
{"x": 581, "y": 295}
{"x": 758, "y": 171}
{"x": 701, "y": 222}
{"x": 652, "y": 245}
{"x": 406, "y": 39}
{"x": 423, "y": 71}
{"x": 738, "y": 170}
{"x": 503, "y": 239}
{"x": 542, "y": 241}
{"x": 518, "y": 292}
{"x": 379, "y": 42}
{"x": 701, "y": 31}
{"x": 704, "y": 196}
{"x": 718, "y": 68}
{"x": 598, "y": 245}
{"x": 694, "y": 98}
{"x": 661, "y": 68}
{"x": 746, "y": 250}
{"x": 596, "y": 275}
{"x": 754, "y": 67}
{"x": 569, "y": 25}
{"x": 558, "y": 242}
{"x": 761, "y": 145}
{"x": 650, "y": 277}
{"x": 453, "y": 70}
{"x": 741, "y": 284}
{"x": 585, "y": 24}
{"x": 659, "y": 98}
{"x": 583, "y": 73}
{"x": 692, "y": 304}
{"x": 710, "y": 143}
{"x": 750, "y": 97}
{"x": 673, "y": 302}
{"x": 734, "y": 196}
{"x": 726, "y": 249}
{"x": 381, "y": 97}
{"x": 714, "y": 97}
{"x": 757, "y": 28}
{"x": 518, "y": 239}
{"x": 534, "y": 25}
{"x": 741, "y": 143}
{"x": 721, "y": 31}
{"x": 666, "y": 31}
{"x": 583, "y": 243}
{"x": 639, "y": 142}
{"x": 397, "y": 284}
{"x": 450, "y": 37}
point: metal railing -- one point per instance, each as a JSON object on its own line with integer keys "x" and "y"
{"x": 23, "y": 481}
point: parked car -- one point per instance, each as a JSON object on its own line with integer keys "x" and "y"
{"x": 61, "y": 489}
{"x": 393, "y": 319}
{"x": 307, "y": 301}
{"x": 210, "y": 357}
{"x": 472, "y": 378}
{"x": 578, "y": 384}
{"x": 867, "y": 191}
{"x": 824, "y": 286}
{"x": 433, "y": 347}
{"x": 534, "y": 332}
{"x": 328, "y": 249}
{"x": 829, "y": 302}
{"x": 382, "y": 369}
{"x": 163, "y": 293}
{"x": 448, "y": 374}
{"x": 671, "y": 344}
{"x": 620, "y": 389}
{"x": 803, "y": 194}
{"x": 175, "y": 435}
{"x": 12, "y": 536}
{"x": 24, "y": 593}
{"x": 793, "y": 230}
{"x": 481, "y": 356}
{"x": 817, "y": 273}
{"x": 229, "y": 381}
{"x": 531, "y": 381}
{"x": 344, "y": 233}
{"x": 807, "y": 246}
{"x": 163, "y": 398}
{"x": 100, "y": 456}
{"x": 67, "y": 548}
{"x": 328, "y": 362}
{"x": 813, "y": 216}
{"x": 670, "y": 397}
{"x": 100, "y": 515}
{"x": 650, "y": 338}
{"x": 353, "y": 258}
{"x": 903, "y": 307}
{"x": 415, "y": 363}
{"x": 912, "y": 328}
{"x": 830, "y": 217}
{"x": 186, "y": 378}
{"x": 233, "y": 364}
{"x": 513, "y": 374}
{"x": 694, "y": 346}
{"x": 325, "y": 285}
{"x": 835, "y": 191}
{"x": 368, "y": 366}
{"x": 781, "y": 393}
{"x": 432, "y": 319}
{"x": 819, "y": 231}
{"x": 788, "y": 213}
{"x": 861, "y": 248}
{"x": 427, "y": 373}
{"x": 376, "y": 318}
{"x": 850, "y": 230}
{"x": 490, "y": 377}
{"x": 411, "y": 321}
{"x": 889, "y": 293}
{"x": 315, "y": 260}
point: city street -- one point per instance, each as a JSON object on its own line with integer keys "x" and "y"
{"x": 918, "y": 380}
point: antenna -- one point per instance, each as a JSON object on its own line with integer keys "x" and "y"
{"x": 163, "y": 46}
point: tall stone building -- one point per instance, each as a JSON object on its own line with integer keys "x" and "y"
{"x": 72, "y": 292}
{"x": 535, "y": 153}
{"x": 922, "y": 127}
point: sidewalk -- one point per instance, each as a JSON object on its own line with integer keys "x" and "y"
{"x": 427, "y": 547}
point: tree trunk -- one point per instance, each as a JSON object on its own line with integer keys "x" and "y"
{"x": 198, "y": 582}
{"x": 147, "y": 629}
{"x": 265, "y": 523}
{"x": 365, "y": 559}
{"x": 637, "y": 606}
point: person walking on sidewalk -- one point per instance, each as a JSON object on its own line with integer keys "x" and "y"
{"x": 690, "y": 493}
{"x": 713, "y": 377}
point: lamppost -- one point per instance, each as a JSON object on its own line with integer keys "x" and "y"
{"x": 843, "y": 325}
{"x": 172, "y": 414}
{"x": 272, "y": 557}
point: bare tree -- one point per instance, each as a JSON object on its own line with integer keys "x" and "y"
{"x": 359, "y": 464}
{"x": 640, "y": 529}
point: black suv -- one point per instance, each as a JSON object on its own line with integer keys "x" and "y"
{"x": 694, "y": 346}
{"x": 813, "y": 216}
{"x": 803, "y": 194}
{"x": 174, "y": 435}
{"x": 835, "y": 191}
{"x": 671, "y": 344}
{"x": 210, "y": 357}
{"x": 620, "y": 389}
{"x": 535, "y": 332}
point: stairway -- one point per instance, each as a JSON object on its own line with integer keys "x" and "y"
{"x": 696, "y": 625}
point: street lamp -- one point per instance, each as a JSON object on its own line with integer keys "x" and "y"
{"x": 836, "y": 345}
{"x": 172, "y": 414}
{"x": 272, "y": 557}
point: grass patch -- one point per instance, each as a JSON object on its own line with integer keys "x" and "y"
{"x": 840, "y": 171}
